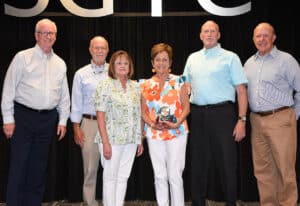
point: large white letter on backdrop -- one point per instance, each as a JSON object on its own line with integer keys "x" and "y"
{"x": 108, "y": 8}
{"x": 37, "y": 9}
{"x": 156, "y": 8}
{"x": 209, "y": 6}
{"x": 221, "y": 11}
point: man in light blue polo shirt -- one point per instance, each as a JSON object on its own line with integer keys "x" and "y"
{"x": 215, "y": 75}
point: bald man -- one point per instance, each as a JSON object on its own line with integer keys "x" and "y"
{"x": 216, "y": 77}
{"x": 274, "y": 99}
{"x": 83, "y": 114}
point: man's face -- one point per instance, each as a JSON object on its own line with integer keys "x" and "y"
{"x": 99, "y": 50}
{"x": 263, "y": 38}
{"x": 209, "y": 34}
{"x": 46, "y": 36}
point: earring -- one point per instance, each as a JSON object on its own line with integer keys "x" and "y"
{"x": 169, "y": 70}
{"x": 153, "y": 70}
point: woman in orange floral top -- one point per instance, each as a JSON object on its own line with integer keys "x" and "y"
{"x": 165, "y": 106}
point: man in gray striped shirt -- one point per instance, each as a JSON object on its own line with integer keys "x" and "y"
{"x": 274, "y": 99}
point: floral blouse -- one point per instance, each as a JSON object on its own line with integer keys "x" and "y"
{"x": 168, "y": 97}
{"x": 122, "y": 110}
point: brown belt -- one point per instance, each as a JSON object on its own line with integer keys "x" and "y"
{"x": 89, "y": 116}
{"x": 265, "y": 113}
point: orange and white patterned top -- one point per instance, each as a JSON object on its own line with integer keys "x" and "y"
{"x": 168, "y": 96}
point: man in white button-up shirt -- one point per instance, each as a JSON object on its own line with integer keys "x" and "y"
{"x": 35, "y": 108}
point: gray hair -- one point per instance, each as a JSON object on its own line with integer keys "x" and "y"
{"x": 44, "y": 21}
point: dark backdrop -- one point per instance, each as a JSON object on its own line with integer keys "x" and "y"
{"x": 137, "y": 34}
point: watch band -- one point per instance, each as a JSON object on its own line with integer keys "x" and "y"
{"x": 242, "y": 118}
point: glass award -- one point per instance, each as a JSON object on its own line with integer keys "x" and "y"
{"x": 164, "y": 114}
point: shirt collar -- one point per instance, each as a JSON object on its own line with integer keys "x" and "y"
{"x": 272, "y": 54}
{"x": 212, "y": 50}
{"x": 41, "y": 53}
{"x": 97, "y": 69}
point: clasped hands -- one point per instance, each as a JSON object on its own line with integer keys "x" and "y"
{"x": 165, "y": 125}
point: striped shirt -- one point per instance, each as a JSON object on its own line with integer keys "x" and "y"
{"x": 274, "y": 81}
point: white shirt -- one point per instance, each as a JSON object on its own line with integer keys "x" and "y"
{"x": 38, "y": 81}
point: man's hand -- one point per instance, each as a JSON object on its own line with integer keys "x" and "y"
{"x": 140, "y": 150}
{"x": 239, "y": 131}
{"x": 9, "y": 129}
{"x": 78, "y": 135}
{"x": 61, "y": 131}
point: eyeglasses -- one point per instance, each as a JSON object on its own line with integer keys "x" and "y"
{"x": 46, "y": 33}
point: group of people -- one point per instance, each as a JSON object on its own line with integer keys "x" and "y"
{"x": 111, "y": 113}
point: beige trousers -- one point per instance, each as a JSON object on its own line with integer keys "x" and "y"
{"x": 90, "y": 156}
{"x": 274, "y": 142}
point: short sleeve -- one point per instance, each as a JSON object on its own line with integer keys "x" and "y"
{"x": 182, "y": 80}
{"x": 237, "y": 72}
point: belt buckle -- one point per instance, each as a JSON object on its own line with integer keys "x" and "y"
{"x": 207, "y": 106}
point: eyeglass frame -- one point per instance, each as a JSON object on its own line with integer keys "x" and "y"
{"x": 47, "y": 33}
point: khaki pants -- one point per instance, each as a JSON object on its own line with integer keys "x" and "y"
{"x": 90, "y": 156}
{"x": 274, "y": 142}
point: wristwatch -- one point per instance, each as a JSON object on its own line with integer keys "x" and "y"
{"x": 242, "y": 118}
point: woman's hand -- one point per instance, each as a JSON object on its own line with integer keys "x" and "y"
{"x": 158, "y": 126}
{"x": 107, "y": 152}
{"x": 170, "y": 125}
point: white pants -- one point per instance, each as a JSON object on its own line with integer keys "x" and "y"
{"x": 116, "y": 172}
{"x": 90, "y": 156}
{"x": 168, "y": 161}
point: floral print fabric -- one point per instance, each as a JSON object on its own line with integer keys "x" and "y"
{"x": 168, "y": 96}
{"x": 122, "y": 110}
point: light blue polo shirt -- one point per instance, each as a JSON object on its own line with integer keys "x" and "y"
{"x": 213, "y": 74}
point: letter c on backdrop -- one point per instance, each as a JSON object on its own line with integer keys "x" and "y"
{"x": 221, "y": 11}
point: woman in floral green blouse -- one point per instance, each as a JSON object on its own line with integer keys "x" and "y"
{"x": 117, "y": 102}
